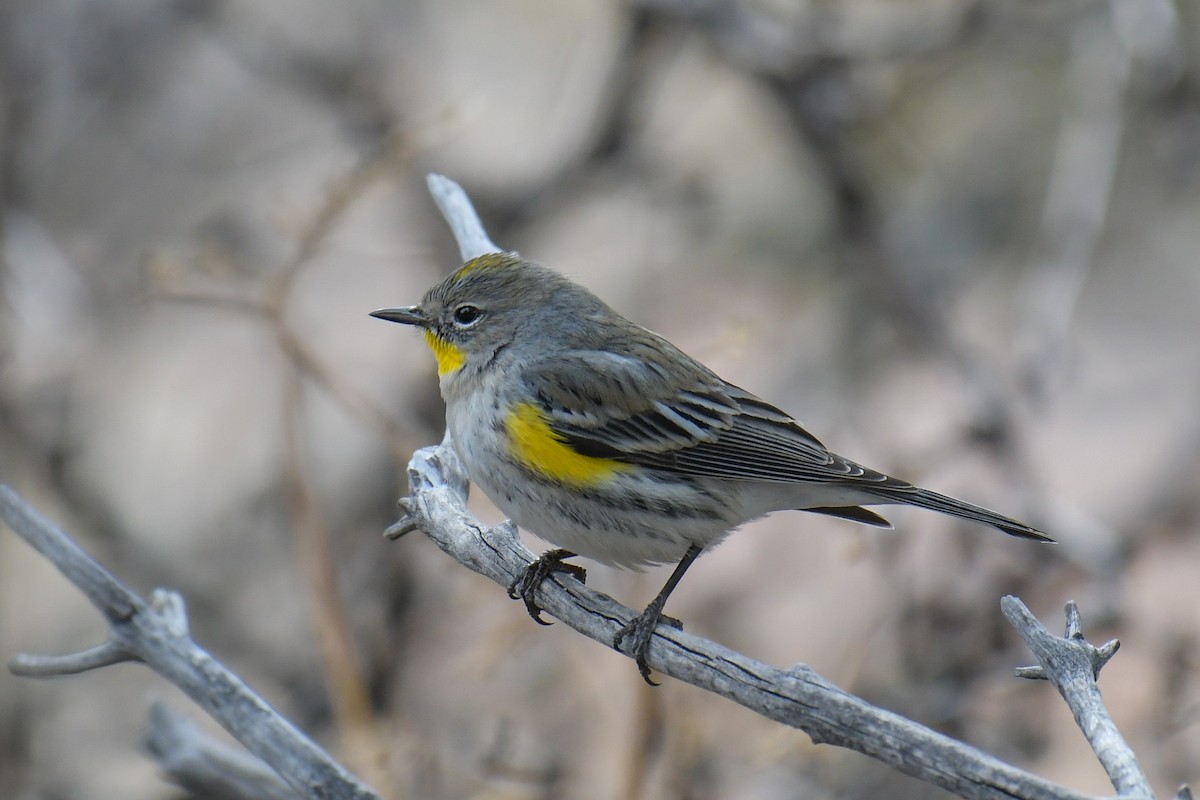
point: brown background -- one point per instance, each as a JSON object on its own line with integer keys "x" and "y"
{"x": 958, "y": 240}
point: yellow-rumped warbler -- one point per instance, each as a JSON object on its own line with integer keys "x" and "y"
{"x": 605, "y": 439}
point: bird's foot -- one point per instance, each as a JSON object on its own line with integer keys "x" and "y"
{"x": 525, "y": 586}
{"x": 639, "y": 631}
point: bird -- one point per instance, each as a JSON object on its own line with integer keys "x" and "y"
{"x": 607, "y": 441}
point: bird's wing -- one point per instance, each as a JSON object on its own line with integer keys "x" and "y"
{"x": 622, "y": 406}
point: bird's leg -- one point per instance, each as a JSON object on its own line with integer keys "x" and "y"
{"x": 640, "y": 630}
{"x": 525, "y": 585}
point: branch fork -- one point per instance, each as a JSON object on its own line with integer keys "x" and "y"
{"x": 155, "y": 632}
{"x": 1072, "y": 664}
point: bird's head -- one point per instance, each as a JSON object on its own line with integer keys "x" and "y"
{"x": 494, "y": 306}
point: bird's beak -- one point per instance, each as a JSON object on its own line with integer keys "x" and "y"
{"x": 412, "y": 315}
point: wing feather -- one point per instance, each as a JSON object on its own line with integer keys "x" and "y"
{"x": 620, "y": 404}
{"x": 619, "y": 407}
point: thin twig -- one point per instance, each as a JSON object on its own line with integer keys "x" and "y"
{"x": 338, "y": 201}
{"x": 460, "y": 214}
{"x": 102, "y": 655}
{"x": 400, "y": 437}
{"x": 330, "y": 620}
{"x": 356, "y": 721}
{"x": 1072, "y": 664}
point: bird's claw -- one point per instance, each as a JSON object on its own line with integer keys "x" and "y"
{"x": 638, "y": 632}
{"x": 525, "y": 586}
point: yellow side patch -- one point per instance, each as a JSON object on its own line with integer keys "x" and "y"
{"x": 449, "y": 357}
{"x": 543, "y": 451}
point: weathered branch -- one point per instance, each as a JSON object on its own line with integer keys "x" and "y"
{"x": 798, "y": 697}
{"x": 156, "y": 633}
{"x": 1072, "y": 664}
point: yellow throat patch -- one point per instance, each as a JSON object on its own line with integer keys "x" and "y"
{"x": 450, "y": 358}
{"x": 543, "y": 451}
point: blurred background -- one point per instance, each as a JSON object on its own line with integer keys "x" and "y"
{"x": 957, "y": 239}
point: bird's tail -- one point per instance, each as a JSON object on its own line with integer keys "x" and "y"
{"x": 923, "y": 498}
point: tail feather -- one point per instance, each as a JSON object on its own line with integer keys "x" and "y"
{"x": 854, "y": 514}
{"x": 924, "y": 498}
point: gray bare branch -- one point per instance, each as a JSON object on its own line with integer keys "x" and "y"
{"x": 465, "y": 224}
{"x": 155, "y": 633}
{"x": 798, "y": 697}
{"x": 1072, "y": 664}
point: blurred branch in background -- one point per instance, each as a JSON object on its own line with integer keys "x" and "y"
{"x": 206, "y": 768}
{"x": 1078, "y": 191}
{"x": 343, "y": 668}
{"x": 1105, "y": 47}
{"x": 1108, "y": 46}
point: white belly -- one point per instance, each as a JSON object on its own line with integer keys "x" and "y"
{"x": 635, "y": 519}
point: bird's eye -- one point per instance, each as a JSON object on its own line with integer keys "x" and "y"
{"x": 467, "y": 315}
